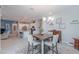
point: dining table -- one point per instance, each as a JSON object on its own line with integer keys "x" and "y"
{"x": 42, "y": 38}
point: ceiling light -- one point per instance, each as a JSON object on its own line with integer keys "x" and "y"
{"x": 44, "y": 18}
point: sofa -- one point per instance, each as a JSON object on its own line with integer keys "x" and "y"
{"x": 4, "y": 35}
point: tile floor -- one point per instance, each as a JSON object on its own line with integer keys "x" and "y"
{"x": 62, "y": 48}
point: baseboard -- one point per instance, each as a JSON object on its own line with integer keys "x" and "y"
{"x": 68, "y": 43}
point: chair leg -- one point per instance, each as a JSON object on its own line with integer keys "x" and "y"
{"x": 52, "y": 49}
{"x": 32, "y": 49}
{"x": 28, "y": 48}
{"x": 28, "y": 51}
{"x": 56, "y": 49}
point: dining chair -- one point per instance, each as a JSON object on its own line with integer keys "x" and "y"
{"x": 32, "y": 43}
{"x": 53, "y": 43}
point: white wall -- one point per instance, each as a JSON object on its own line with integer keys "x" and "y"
{"x": 71, "y": 30}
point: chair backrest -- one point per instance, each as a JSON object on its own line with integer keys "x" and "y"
{"x": 55, "y": 32}
{"x": 55, "y": 39}
{"x": 28, "y": 37}
{"x": 25, "y": 34}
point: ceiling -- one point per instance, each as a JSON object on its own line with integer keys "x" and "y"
{"x": 35, "y": 11}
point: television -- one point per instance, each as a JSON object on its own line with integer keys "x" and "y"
{"x": 2, "y": 30}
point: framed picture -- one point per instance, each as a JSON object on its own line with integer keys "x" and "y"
{"x": 59, "y": 20}
{"x": 75, "y": 21}
{"x": 62, "y": 26}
